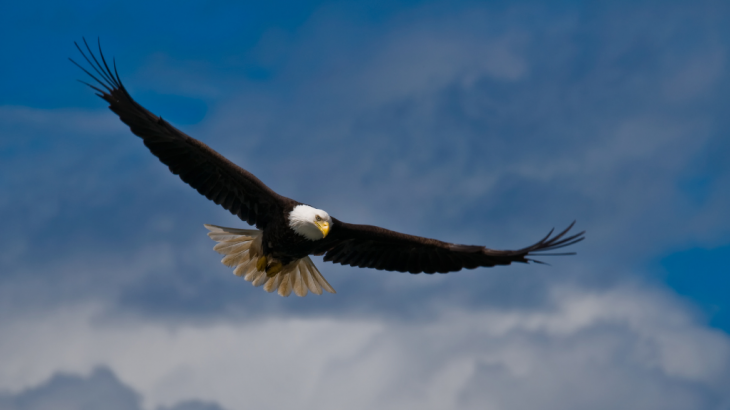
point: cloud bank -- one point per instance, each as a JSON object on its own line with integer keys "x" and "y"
{"x": 626, "y": 347}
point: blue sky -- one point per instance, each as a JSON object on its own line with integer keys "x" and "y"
{"x": 478, "y": 122}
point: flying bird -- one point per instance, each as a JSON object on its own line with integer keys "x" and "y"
{"x": 276, "y": 254}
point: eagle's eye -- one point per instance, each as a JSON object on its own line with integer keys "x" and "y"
{"x": 318, "y": 218}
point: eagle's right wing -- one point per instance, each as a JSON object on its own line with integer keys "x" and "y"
{"x": 211, "y": 174}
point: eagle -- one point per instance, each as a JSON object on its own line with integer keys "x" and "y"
{"x": 276, "y": 255}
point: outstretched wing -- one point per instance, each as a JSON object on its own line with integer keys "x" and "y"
{"x": 368, "y": 246}
{"x": 211, "y": 174}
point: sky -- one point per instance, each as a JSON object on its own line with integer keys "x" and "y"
{"x": 477, "y": 122}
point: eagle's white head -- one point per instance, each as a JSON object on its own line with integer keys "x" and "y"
{"x": 309, "y": 222}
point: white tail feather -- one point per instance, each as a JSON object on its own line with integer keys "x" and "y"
{"x": 225, "y": 248}
{"x": 245, "y": 269}
{"x": 312, "y": 284}
{"x": 318, "y": 276}
{"x": 235, "y": 259}
{"x": 259, "y": 279}
{"x": 285, "y": 286}
{"x": 272, "y": 283}
{"x": 242, "y": 248}
{"x": 300, "y": 289}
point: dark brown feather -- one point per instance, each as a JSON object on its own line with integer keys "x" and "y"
{"x": 198, "y": 165}
{"x": 352, "y": 244}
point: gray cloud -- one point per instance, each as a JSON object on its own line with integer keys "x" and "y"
{"x": 100, "y": 390}
{"x": 630, "y": 347}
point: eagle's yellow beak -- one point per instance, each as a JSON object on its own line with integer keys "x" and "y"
{"x": 324, "y": 227}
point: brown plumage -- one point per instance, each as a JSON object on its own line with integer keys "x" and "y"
{"x": 245, "y": 196}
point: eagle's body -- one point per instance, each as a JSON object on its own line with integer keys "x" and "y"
{"x": 277, "y": 254}
{"x": 282, "y": 242}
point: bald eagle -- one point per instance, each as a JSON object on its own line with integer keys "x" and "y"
{"x": 276, "y": 254}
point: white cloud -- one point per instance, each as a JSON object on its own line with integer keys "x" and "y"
{"x": 625, "y": 347}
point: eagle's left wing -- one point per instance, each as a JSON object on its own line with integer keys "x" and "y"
{"x": 368, "y": 246}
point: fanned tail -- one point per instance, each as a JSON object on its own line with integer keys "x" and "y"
{"x": 242, "y": 248}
